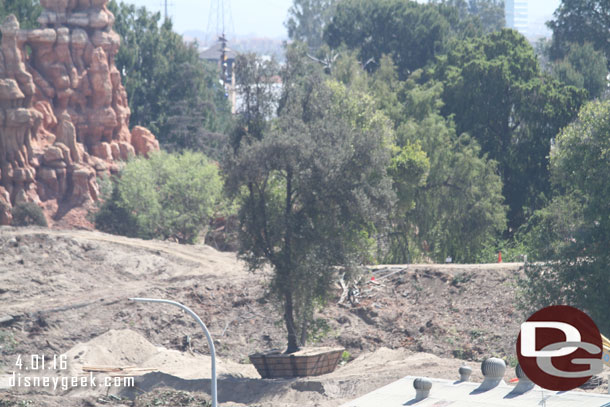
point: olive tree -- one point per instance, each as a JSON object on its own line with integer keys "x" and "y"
{"x": 311, "y": 191}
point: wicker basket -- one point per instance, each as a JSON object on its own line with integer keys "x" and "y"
{"x": 306, "y": 362}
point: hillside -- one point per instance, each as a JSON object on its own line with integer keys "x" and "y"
{"x": 62, "y": 289}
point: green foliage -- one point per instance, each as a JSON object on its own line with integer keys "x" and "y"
{"x": 165, "y": 196}
{"x": 170, "y": 90}
{"x": 583, "y": 67}
{"x": 475, "y": 15}
{"x": 459, "y": 210}
{"x": 311, "y": 189}
{"x": 307, "y": 19}
{"x": 26, "y": 11}
{"x": 430, "y": 163}
{"x": 255, "y": 84}
{"x": 345, "y": 357}
{"x": 497, "y": 94}
{"x": 580, "y": 21}
{"x": 109, "y": 215}
{"x": 412, "y": 33}
{"x": 28, "y": 214}
{"x": 578, "y": 220}
{"x": 550, "y": 230}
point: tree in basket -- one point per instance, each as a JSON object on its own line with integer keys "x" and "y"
{"x": 312, "y": 190}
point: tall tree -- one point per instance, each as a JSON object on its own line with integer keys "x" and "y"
{"x": 430, "y": 163}
{"x": 474, "y": 215}
{"x": 583, "y": 67}
{"x": 495, "y": 90}
{"x": 170, "y": 90}
{"x": 580, "y": 21}
{"x": 412, "y": 33}
{"x": 486, "y": 14}
{"x": 258, "y": 92}
{"x": 311, "y": 190}
{"x": 578, "y": 273}
{"x": 307, "y": 20}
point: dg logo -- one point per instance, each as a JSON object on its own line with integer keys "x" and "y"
{"x": 560, "y": 348}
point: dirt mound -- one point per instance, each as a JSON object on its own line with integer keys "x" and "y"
{"x": 129, "y": 350}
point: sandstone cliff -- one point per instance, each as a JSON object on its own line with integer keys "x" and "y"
{"x": 63, "y": 110}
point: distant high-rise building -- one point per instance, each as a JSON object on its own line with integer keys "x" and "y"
{"x": 517, "y": 15}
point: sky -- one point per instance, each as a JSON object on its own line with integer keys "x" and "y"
{"x": 260, "y": 18}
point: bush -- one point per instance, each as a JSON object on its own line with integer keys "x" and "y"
{"x": 28, "y": 214}
{"x": 165, "y": 196}
{"x": 111, "y": 217}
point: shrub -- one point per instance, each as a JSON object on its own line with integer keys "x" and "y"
{"x": 27, "y": 214}
{"x": 165, "y": 196}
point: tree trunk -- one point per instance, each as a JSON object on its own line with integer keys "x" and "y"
{"x": 304, "y": 332}
{"x": 289, "y": 319}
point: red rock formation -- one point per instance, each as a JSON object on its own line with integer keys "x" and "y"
{"x": 63, "y": 110}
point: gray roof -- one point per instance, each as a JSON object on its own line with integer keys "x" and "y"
{"x": 213, "y": 53}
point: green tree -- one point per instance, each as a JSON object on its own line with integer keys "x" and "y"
{"x": 26, "y": 11}
{"x": 580, "y": 21}
{"x": 496, "y": 93}
{"x": 311, "y": 190}
{"x": 307, "y": 20}
{"x": 459, "y": 210}
{"x": 583, "y": 67}
{"x": 486, "y": 15}
{"x": 255, "y": 84}
{"x": 578, "y": 274}
{"x": 430, "y": 163}
{"x": 164, "y": 196}
{"x": 411, "y": 33}
{"x": 170, "y": 90}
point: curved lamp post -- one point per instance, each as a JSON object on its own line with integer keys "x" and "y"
{"x": 205, "y": 331}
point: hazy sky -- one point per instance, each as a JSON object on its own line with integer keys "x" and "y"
{"x": 263, "y": 18}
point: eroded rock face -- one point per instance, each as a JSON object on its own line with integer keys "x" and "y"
{"x": 63, "y": 111}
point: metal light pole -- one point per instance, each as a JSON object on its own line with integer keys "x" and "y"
{"x": 205, "y": 331}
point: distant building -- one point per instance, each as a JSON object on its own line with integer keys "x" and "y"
{"x": 516, "y": 12}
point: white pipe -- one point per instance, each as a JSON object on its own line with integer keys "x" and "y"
{"x": 205, "y": 331}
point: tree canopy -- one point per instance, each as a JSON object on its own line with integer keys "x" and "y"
{"x": 26, "y": 11}
{"x": 171, "y": 91}
{"x": 580, "y": 21}
{"x": 412, "y": 33}
{"x": 307, "y": 20}
{"x": 495, "y": 91}
{"x": 163, "y": 196}
{"x": 311, "y": 190}
{"x": 578, "y": 220}
{"x": 583, "y": 67}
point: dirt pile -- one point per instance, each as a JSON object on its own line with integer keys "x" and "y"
{"x": 63, "y": 110}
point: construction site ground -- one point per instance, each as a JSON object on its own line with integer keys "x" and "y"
{"x": 66, "y": 293}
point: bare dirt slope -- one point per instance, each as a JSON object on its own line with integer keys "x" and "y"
{"x": 61, "y": 289}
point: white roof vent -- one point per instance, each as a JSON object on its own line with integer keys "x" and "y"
{"x": 465, "y": 372}
{"x": 493, "y": 371}
{"x": 422, "y": 388}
